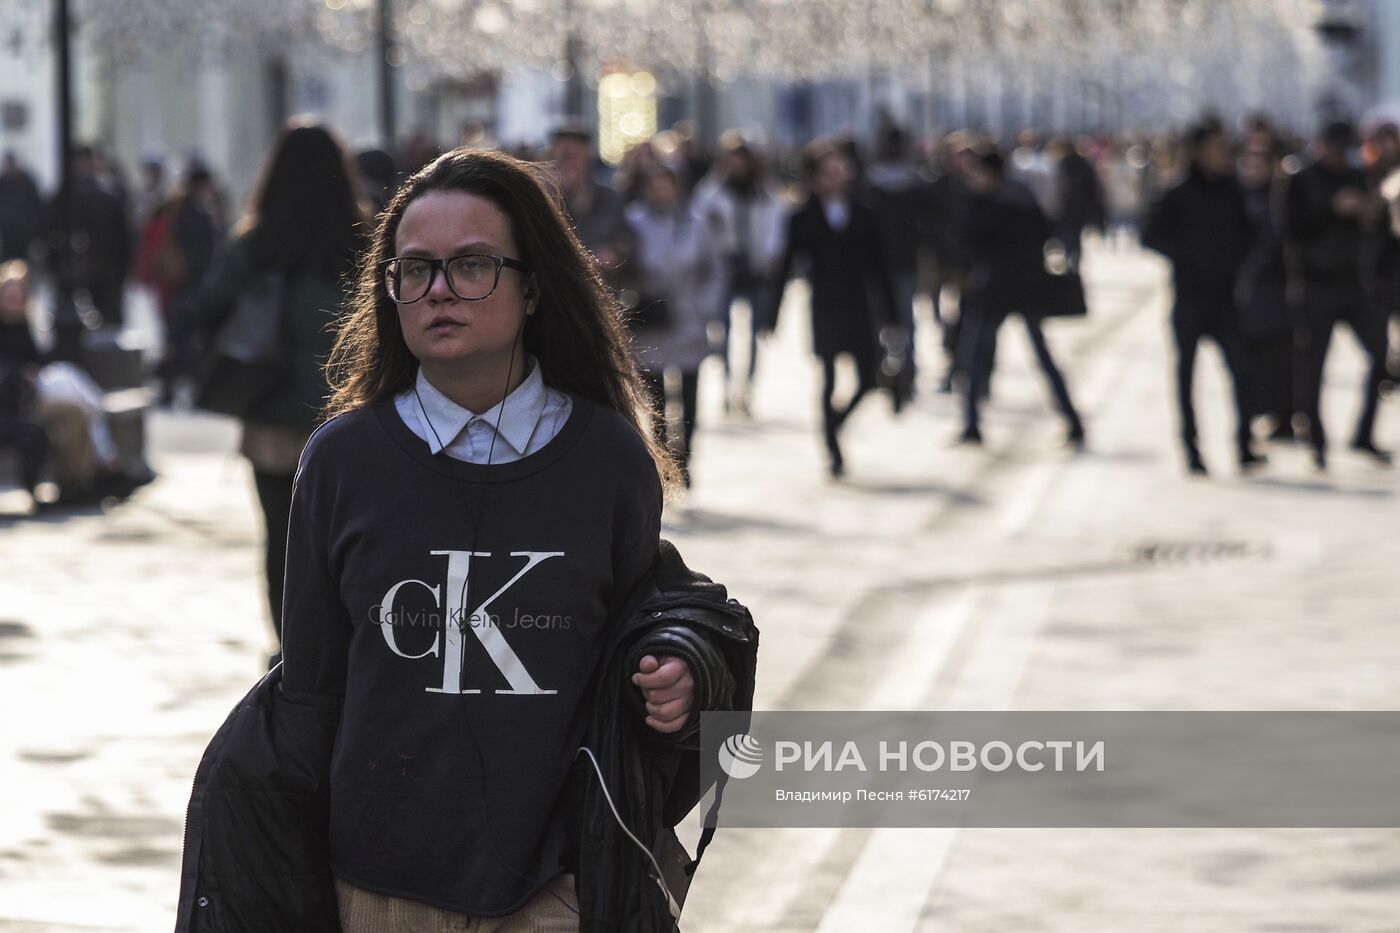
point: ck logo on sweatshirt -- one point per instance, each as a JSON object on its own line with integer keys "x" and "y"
{"x": 447, "y": 643}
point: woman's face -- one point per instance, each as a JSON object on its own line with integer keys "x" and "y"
{"x": 738, "y": 164}
{"x": 442, "y": 330}
{"x": 662, "y": 191}
{"x": 833, "y": 176}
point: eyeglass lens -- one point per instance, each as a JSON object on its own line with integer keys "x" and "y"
{"x": 469, "y": 277}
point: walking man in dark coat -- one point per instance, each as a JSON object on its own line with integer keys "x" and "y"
{"x": 1202, "y": 227}
{"x": 838, "y": 240}
{"x": 1330, "y": 215}
{"x": 1003, "y": 236}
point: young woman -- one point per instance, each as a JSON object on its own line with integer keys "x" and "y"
{"x": 304, "y": 225}
{"x": 462, "y": 531}
{"x": 749, "y": 220}
{"x": 680, "y": 270}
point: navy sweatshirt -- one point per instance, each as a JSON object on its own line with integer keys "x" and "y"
{"x": 461, "y": 609}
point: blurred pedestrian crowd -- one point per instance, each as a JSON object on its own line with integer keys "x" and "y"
{"x": 1272, "y": 239}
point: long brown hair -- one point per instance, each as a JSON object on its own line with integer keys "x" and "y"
{"x": 305, "y": 216}
{"x": 577, "y": 332}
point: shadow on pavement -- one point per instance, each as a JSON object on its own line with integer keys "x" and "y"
{"x": 1323, "y": 486}
{"x": 704, "y": 521}
{"x": 915, "y": 488}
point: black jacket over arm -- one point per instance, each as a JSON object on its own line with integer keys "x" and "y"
{"x": 256, "y": 855}
{"x": 680, "y": 612}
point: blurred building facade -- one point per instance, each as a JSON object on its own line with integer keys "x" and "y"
{"x": 186, "y": 96}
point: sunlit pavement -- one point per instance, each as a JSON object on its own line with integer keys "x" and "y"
{"x": 1017, "y": 576}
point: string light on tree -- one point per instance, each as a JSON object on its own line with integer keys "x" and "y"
{"x": 1146, "y": 59}
{"x": 626, "y": 112}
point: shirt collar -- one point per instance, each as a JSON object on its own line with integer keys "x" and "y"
{"x": 521, "y": 415}
{"x": 837, "y": 212}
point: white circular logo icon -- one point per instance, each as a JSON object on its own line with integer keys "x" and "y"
{"x": 741, "y": 755}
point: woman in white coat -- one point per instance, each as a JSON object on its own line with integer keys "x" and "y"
{"x": 682, "y": 291}
{"x": 749, "y": 221}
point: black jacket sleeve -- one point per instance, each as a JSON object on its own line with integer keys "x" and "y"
{"x": 316, "y": 626}
{"x": 256, "y": 851}
{"x": 636, "y": 533}
{"x": 654, "y": 785}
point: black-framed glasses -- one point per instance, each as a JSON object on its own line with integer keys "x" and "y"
{"x": 471, "y": 277}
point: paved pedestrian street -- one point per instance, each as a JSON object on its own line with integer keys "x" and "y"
{"x": 1016, "y": 576}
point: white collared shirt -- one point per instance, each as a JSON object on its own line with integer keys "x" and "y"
{"x": 531, "y": 416}
{"x": 838, "y": 213}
